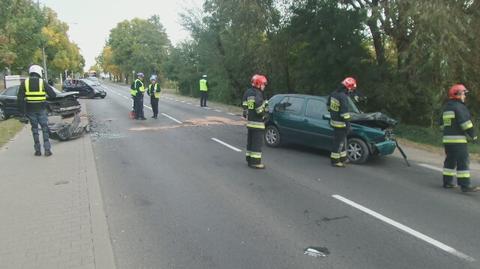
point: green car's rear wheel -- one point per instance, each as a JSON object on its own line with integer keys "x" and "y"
{"x": 272, "y": 136}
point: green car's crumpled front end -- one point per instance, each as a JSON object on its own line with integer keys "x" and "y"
{"x": 380, "y": 133}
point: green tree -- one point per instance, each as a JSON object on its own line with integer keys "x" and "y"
{"x": 21, "y": 22}
{"x": 139, "y": 45}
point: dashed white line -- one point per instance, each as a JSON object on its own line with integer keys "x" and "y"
{"x": 231, "y": 114}
{"x": 226, "y": 145}
{"x": 218, "y": 110}
{"x": 172, "y": 118}
{"x": 431, "y": 167}
{"x": 406, "y": 229}
{"x": 147, "y": 107}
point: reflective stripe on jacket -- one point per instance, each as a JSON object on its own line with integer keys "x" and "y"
{"x": 456, "y": 122}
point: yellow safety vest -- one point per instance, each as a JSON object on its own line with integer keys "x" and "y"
{"x": 141, "y": 88}
{"x": 203, "y": 85}
{"x": 37, "y": 96}
{"x": 154, "y": 90}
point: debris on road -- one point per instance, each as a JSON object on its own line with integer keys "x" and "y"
{"x": 64, "y": 131}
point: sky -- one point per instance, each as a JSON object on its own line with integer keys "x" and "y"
{"x": 90, "y": 21}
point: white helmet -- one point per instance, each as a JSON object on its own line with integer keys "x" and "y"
{"x": 204, "y": 76}
{"x": 153, "y": 77}
{"x": 36, "y": 69}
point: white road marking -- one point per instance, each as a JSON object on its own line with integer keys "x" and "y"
{"x": 147, "y": 107}
{"x": 172, "y": 118}
{"x": 189, "y": 103}
{"x": 431, "y": 167}
{"x": 231, "y": 114}
{"x": 226, "y": 145}
{"x": 217, "y": 110}
{"x": 406, "y": 229}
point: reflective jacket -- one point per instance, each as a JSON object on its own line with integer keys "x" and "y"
{"x": 203, "y": 85}
{"x": 456, "y": 123}
{"x": 338, "y": 107}
{"x": 32, "y": 94}
{"x": 154, "y": 90}
{"x": 137, "y": 87}
{"x": 255, "y": 105}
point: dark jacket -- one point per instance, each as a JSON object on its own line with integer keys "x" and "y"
{"x": 339, "y": 109}
{"x": 255, "y": 105}
{"x": 456, "y": 123}
{"x": 34, "y": 84}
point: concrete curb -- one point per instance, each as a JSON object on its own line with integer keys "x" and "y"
{"x": 103, "y": 251}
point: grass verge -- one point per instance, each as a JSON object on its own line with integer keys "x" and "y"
{"x": 8, "y": 129}
{"x": 431, "y": 138}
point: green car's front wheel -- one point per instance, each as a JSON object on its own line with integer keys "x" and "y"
{"x": 357, "y": 150}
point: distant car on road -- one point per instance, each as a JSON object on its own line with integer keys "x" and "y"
{"x": 85, "y": 87}
{"x": 65, "y": 104}
{"x": 304, "y": 119}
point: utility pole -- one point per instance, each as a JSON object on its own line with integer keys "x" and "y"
{"x": 45, "y": 63}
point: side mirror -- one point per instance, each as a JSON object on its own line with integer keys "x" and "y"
{"x": 326, "y": 116}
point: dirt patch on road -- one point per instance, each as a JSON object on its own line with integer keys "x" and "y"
{"x": 197, "y": 122}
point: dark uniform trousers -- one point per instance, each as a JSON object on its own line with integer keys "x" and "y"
{"x": 203, "y": 98}
{"x": 138, "y": 104}
{"x": 154, "y": 103}
{"x": 39, "y": 118}
{"x": 339, "y": 151}
{"x": 456, "y": 157}
{"x": 254, "y": 146}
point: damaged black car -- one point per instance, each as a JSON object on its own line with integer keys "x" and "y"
{"x": 65, "y": 104}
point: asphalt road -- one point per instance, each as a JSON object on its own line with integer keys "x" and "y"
{"x": 176, "y": 197}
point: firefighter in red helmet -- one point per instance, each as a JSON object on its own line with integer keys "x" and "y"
{"x": 255, "y": 107}
{"x": 339, "y": 120}
{"x": 457, "y": 127}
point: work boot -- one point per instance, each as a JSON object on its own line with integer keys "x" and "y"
{"x": 449, "y": 185}
{"x": 143, "y": 118}
{"x": 48, "y": 153}
{"x": 339, "y": 164}
{"x": 257, "y": 166}
{"x": 38, "y": 153}
{"x": 471, "y": 189}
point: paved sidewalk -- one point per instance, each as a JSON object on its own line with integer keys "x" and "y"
{"x": 51, "y": 209}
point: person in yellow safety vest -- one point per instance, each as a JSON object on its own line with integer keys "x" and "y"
{"x": 154, "y": 92}
{"x": 256, "y": 108}
{"x": 31, "y": 98}
{"x": 137, "y": 91}
{"x": 339, "y": 120}
{"x": 457, "y": 124}
{"x": 203, "y": 91}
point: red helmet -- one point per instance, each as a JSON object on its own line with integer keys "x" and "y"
{"x": 258, "y": 81}
{"x": 455, "y": 91}
{"x": 350, "y": 83}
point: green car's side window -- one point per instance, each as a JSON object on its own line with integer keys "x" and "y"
{"x": 316, "y": 108}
